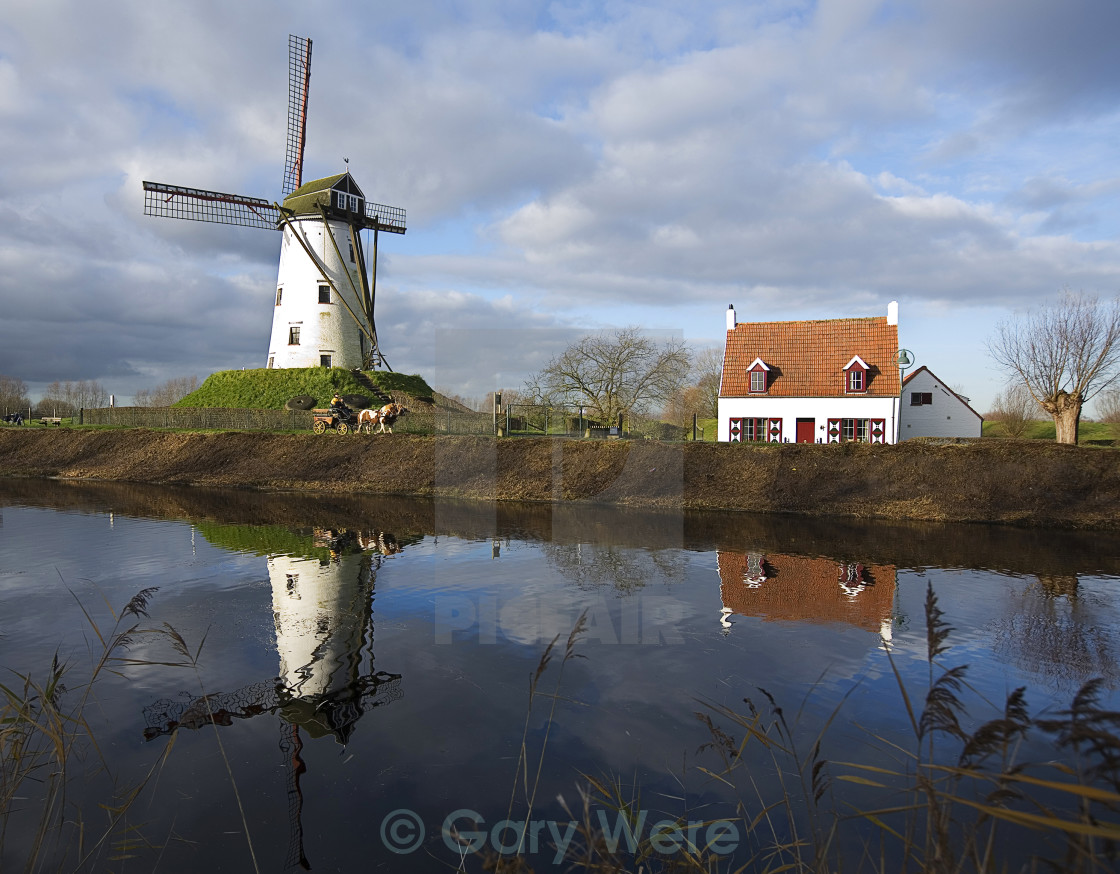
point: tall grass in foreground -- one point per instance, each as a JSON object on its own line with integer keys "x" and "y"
{"x": 952, "y": 801}
{"x": 46, "y": 741}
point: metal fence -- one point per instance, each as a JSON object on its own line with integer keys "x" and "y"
{"x": 220, "y": 418}
{"x": 516, "y": 420}
{"x": 235, "y": 419}
{"x": 546, "y": 420}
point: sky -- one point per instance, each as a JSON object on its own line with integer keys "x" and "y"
{"x": 566, "y": 167}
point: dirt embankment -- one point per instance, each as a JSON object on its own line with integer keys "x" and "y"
{"x": 1017, "y": 482}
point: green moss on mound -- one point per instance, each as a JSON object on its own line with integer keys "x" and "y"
{"x": 265, "y": 389}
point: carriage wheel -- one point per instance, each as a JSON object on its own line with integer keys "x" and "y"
{"x": 343, "y": 428}
{"x": 319, "y": 427}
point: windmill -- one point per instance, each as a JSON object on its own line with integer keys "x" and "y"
{"x": 324, "y": 300}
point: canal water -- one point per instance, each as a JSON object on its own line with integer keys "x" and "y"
{"x": 347, "y": 684}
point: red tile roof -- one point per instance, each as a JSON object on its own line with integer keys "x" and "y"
{"x": 806, "y": 359}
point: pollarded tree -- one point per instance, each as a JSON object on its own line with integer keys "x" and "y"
{"x": 1064, "y": 353}
{"x": 615, "y": 373}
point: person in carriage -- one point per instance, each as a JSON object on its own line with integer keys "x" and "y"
{"x": 339, "y": 409}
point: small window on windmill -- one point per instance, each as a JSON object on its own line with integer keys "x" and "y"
{"x": 324, "y": 361}
{"x": 271, "y": 361}
{"x": 341, "y": 199}
{"x": 293, "y": 335}
{"x": 279, "y": 294}
{"x": 353, "y": 203}
{"x": 324, "y": 294}
{"x": 351, "y": 253}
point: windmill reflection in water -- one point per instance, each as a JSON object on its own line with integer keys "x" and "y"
{"x": 323, "y": 611}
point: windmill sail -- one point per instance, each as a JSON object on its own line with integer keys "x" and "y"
{"x": 299, "y": 83}
{"x": 385, "y": 218}
{"x": 196, "y": 204}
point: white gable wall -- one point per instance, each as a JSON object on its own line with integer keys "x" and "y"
{"x": 947, "y": 416}
{"x": 789, "y": 410}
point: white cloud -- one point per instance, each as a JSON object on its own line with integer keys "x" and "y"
{"x": 561, "y": 166}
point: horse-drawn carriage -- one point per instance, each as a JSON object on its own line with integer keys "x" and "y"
{"x": 347, "y": 421}
{"x": 334, "y": 420}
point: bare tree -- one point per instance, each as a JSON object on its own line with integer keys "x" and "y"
{"x": 166, "y": 393}
{"x": 612, "y": 374}
{"x": 707, "y": 369}
{"x": 66, "y": 398}
{"x": 1064, "y": 354}
{"x": 13, "y": 395}
{"x": 1108, "y": 406}
{"x": 700, "y": 397}
{"x": 1014, "y": 409}
{"x": 683, "y": 405}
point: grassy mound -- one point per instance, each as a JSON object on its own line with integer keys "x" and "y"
{"x": 265, "y": 389}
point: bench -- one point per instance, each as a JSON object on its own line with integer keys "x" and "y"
{"x": 51, "y": 420}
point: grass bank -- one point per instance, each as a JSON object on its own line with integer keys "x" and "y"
{"x": 265, "y": 389}
{"x": 1025, "y": 482}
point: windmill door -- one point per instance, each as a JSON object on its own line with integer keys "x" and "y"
{"x": 806, "y": 430}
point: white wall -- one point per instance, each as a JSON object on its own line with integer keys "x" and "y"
{"x": 947, "y": 416}
{"x": 324, "y": 328}
{"x": 789, "y": 410}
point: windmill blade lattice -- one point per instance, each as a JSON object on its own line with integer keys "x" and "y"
{"x": 196, "y": 204}
{"x": 385, "y": 218}
{"x": 299, "y": 83}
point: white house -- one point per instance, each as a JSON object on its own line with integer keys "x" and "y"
{"x": 822, "y": 381}
{"x": 932, "y": 409}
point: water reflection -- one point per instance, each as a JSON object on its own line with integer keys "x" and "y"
{"x": 1052, "y": 631}
{"x": 902, "y": 544}
{"x": 322, "y": 607}
{"x": 288, "y": 584}
{"x": 799, "y": 588}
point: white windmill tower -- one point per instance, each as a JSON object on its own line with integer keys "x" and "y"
{"x": 324, "y": 300}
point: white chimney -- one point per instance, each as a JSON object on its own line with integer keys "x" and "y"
{"x": 892, "y": 313}
{"x": 731, "y": 317}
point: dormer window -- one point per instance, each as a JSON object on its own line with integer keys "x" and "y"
{"x": 760, "y": 376}
{"x": 855, "y": 375}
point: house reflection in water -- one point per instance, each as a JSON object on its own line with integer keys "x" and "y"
{"x": 798, "y": 588}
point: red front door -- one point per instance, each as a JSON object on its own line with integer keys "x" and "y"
{"x": 806, "y": 430}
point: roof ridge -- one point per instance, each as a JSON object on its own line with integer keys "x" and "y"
{"x": 816, "y": 321}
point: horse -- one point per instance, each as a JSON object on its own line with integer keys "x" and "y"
{"x": 383, "y": 418}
